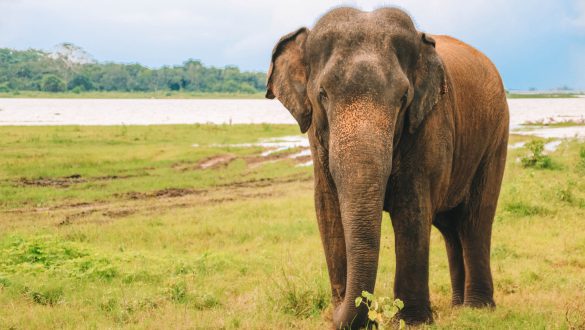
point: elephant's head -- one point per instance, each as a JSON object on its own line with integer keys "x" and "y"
{"x": 360, "y": 80}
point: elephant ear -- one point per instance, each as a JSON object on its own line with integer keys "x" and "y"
{"x": 287, "y": 77}
{"x": 429, "y": 82}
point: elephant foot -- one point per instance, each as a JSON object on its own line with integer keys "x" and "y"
{"x": 416, "y": 314}
{"x": 456, "y": 300}
{"x": 349, "y": 318}
{"x": 479, "y": 302}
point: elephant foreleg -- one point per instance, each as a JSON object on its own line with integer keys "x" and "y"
{"x": 412, "y": 227}
{"x": 411, "y": 216}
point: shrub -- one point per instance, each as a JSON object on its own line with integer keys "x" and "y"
{"x": 81, "y": 83}
{"x": 381, "y": 311}
{"x": 52, "y": 83}
{"x": 536, "y": 158}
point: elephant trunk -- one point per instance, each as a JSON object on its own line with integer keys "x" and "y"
{"x": 361, "y": 217}
{"x": 360, "y": 164}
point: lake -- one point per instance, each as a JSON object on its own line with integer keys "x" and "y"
{"x": 30, "y": 112}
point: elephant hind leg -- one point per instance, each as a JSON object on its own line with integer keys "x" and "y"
{"x": 448, "y": 225}
{"x": 476, "y": 229}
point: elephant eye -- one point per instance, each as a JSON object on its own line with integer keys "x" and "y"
{"x": 404, "y": 97}
{"x": 322, "y": 95}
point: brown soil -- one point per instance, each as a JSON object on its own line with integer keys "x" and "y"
{"x": 256, "y": 161}
{"x": 251, "y": 161}
{"x": 207, "y": 163}
{"x": 217, "y": 161}
{"x": 102, "y": 212}
{"x": 164, "y": 193}
{"x": 66, "y": 181}
{"x": 51, "y": 182}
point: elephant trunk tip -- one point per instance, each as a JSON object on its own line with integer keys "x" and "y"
{"x": 347, "y": 317}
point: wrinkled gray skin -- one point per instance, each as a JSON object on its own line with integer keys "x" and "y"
{"x": 403, "y": 122}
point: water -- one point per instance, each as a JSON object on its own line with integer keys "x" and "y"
{"x": 32, "y": 112}
{"x": 150, "y": 112}
{"x": 547, "y": 111}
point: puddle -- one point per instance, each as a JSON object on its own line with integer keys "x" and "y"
{"x": 309, "y": 163}
{"x": 275, "y": 145}
{"x": 552, "y": 146}
{"x": 516, "y": 145}
{"x": 548, "y": 147}
{"x": 556, "y": 132}
{"x": 303, "y": 153}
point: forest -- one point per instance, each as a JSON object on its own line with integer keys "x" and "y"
{"x": 70, "y": 68}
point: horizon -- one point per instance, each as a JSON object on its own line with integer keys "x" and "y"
{"x": 534, "y": 46}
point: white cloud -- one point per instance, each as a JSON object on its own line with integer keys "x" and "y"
{"x": 578, "y": 20}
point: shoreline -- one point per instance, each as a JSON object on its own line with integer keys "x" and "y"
{"x": 166, "y": 95}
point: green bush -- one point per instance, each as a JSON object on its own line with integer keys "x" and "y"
{"x": 536, "y": 158}
{"x": 4, "y": 88}
{"x": 382, "y": 311}
{"x": 52, "y": 83}
{"x": 81, "y": 83}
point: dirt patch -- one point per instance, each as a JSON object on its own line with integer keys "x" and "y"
{"x": 215, "y": 162}
{"x": 299, "y": 156}
{"x": 72, "y": 217}
{"x": 164, "y": 193}
{"x": 62, "y": 182}
{"x": 118, "y": 213}
{"x": 69, "y": 219}
{"x": 207, "y": 163}
{"x": 126, "y": 204}
{"x": 66, "y": 181}
{"x": 264, "y": 182}
{"x": 303, "y": 159}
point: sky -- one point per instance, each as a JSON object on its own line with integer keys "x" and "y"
{"x": 534, "y": 43}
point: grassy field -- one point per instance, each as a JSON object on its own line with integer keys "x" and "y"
{"x": 134, "y": 227}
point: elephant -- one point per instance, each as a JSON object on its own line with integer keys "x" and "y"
{"x": 399, "y": 121}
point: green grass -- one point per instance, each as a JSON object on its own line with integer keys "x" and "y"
{"x": 559, "y": 124}
{"x": 130, "y": 95}
{"x": 140, "y": 237}
{"x": 543, "y": 95}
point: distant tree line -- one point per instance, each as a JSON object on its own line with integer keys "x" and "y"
{"x": 34, "y": 70}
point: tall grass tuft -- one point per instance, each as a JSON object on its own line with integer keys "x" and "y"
{"x": 300, "y": 296}
{"x": 536, "y": 158}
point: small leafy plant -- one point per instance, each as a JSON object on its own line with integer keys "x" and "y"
{"x": 536, "y": 158}
{"x": 381, "y": 311}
